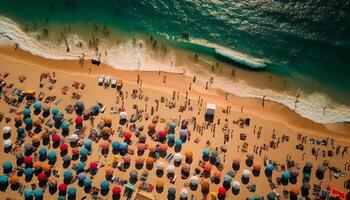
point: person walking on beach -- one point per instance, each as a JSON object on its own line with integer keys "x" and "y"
{"x": 164, "y": 78}
{"x": 263, "y": 101}
{"x": 206, "y": 85}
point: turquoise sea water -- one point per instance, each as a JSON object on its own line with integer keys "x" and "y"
{"x": 296, "y": 39}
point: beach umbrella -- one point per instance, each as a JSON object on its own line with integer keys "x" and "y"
{"x": 14, "y": 179}
{"x": 285, "y": 176}
{"x": 127, "y": 135}
{"x": 79, "y": 106}
{"x": 227, "y": 178}
{"x": 87, "y": 182}
{"x": 236, "y": 185}
{"x": 28, "y": 171}
{"x": 37, "y": 122}
{"x": 123, "y": 147}
{"x": 38, "y": 193}
{"x": 104, "y": 145}
{"x": 186, "y": 168}
{"x": 217, "y": 175}
{"x": 36, "y": 138}
{"x": 177, "y": 157}
{"x": 122, "y": 115}
{"x": 7, "y": 166}
{"x": 189, "y": 154}
{"x": 178, "y": 143}
{"x": 194, "y": 180}
{"x": 152, "y": 127}
{"x": 150, "y": 160}
{"x": 84, "y": 152}
{"x": 171, "y": 125}
{"x": 170, "y": 168}
{"x": 116, "y": 191}
{"x": 20, "y": 131}
{"x": 28, "y": 121}
{"x": 109, "y": 171}
{"x": 42, "y": 151}
{"x": 206, "y": 152}
{"x": 4, "y": 179}
{"x": 295, "y": 191}
{"x": 96, "y": 108}
{"x": 66, "y": 158}
{"x": 26, "y": 112}
{"x": 205, "y": 186}
{"x": 271, "y": 196}
{"x": 139, "y": 160}
{"x": 104, "y": 185}
{"x": 106, "y": 130}
{"x": 222, "y": 191}
{"x": 269, "y": 168}
{"x": 37, "y": 165}
{"x": 127, "y": 159}
{"x": 88, "y": 144}
{"x": 254, "y": 197}
{"x": 19, "y": 156}
{"x": 80, "y": 166}
{"x": 42, "y": 177}
{"x": 28, "y": 147}
{"x": 256, "y": 167}
{"x": 115, "y": 145}
{"x": 81, "y": 176}
{"x": 65, "y": 126}
{"x": 52, "y": 184}
{"x": 62, "y": 187}
{"x": 55, "y": 111}
{"x": 107, "y": 120}
{"x": 160, "y": 165}
{"x": 152, "y": 149}
{"x": 172, "y": 191}
{"x": 58, "y": 117}
{"x": 46, "y": 167}
{"x": 142, "y": 137}
{"x": 73, "y": 138}
{"x": 213, "y": 195}
{"x": 79, "y": 120}
{"x": 184, "y": 193}
{"x": 231, "y": 173}
{"x": 320, "y": 171}
{"x": 246, "y": 173}
{"x": 294, "y": 171}
{"x": 163, "y": 147}
{"x": 72, "y": 192}
{"x": 6, "y": 130}
{"x": 183, "y": 133}
{"x": 28, "y": 160}
{"x": 28, "y": 192}
{"x": 133, "y": 174}
{"x": 140, "y": 146}
{"x": 56, "y": 138}
{"x": 94, "y": 165}
{"x": 18, "y": 120}
{"x": 37, "y": 106}
{"x": 171, "y": 137}
{"x": 162, "y": 134}
{"x": 207, "y": 167}
{"x": 64, "y": 147}
{"x": 52, "y": 155}
{"x": 76, "y": 151}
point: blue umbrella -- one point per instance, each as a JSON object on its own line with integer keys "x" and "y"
{"x": 28, "y": 121}
{"x": 61, "y": 198}
{"x": 28, "y": 192}
{"x": 206, "y": 152}
{"x": 28, "y": 171}
{"x": 81, "y": 176}
{"x": 115, "y": 145}
{"x": 227, "y": 178}
{"x": 52, "y": 155}
{"x": 55, "y": 111}
{"x": 37, "y": 106}
{"x": 84, "y": 152}
{"x": 183, "y": 133}
{"x": 26, "y": 112}
{"x": 68, "y": 174}
{"x": 80, "y": 166}
{"x": 72, "y": 191}
{"x": 172, "y": 125}
{"x": 87, "y": 182}
{"x": 269, "y": 167}
{"x": 104, "y": 185}
{"x": 178, "y": 143}
{"x": 171, "y": 137}
{"x": 4, "y": 179}
{"x": 79, "y": 106}
{"x": 65, "y": 126}
{"x": 42, "y": 151}
{"x": 88, "y": 144}
{"x": 172, "y": 190}
{"x": 285, "y": 175}
{"x": 58, "y": 117}
{"x": 96, "y": 108}
{"x": 123, "y": 147}
{"x": 7, "y": 166}
{"x": 20, "y": 131}
{"x": 38, "y": 193}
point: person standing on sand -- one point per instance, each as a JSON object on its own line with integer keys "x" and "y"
{"x": 164, "y": 79}
{"x": 194, "y": 79}
{"x": 89, "y": 70}
{"x": 263, "y": 101}
{"x": 190, "y": 86}
{"x": 242, "y": 109}
{"x": 206, "y": 85}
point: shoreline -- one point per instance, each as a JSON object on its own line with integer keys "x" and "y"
{"x": 252, "y": 107}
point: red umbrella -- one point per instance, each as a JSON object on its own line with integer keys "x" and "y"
{"x": 79, "y": 120}
{"x": 222, "y": 191}
{"x": 56, "y": 138}
{"x": 93, "y": 165}
{"x": 127, "y": 135}
{"x": 116, "y": 191}
{"x": 28, "y": 160}
{"x": 109, "y": 171}
{"x": 64, "y": 147}
{"x": 62, "y": 187}
{"x": 162, "y": 134}
{"x": 104, "y": 145}
{"x": 42, "y": 176}
{"x": 127, "y": 158}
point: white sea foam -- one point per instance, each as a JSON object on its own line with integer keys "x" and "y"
{"x": 126, "y": 56}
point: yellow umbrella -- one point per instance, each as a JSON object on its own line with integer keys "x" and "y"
{"x": 213, "y": 195}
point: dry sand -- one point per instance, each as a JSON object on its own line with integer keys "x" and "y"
{"x": 271, "y": 117}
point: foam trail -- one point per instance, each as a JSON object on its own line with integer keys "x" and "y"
{"x": 127, "y": 57}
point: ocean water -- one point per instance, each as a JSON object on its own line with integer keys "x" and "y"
{"x": 306, "y": 43}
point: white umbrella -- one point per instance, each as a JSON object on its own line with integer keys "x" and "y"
{"x": 246, "y": 173}
{"x": 73, "y": 137}
{"x": 6, "y": 130}
{"x": 160, "y": 165}
{"x": 184, "y": 193}
{"x": 7, "y": 143}
{"x": 170, "y": 168}
{"x": 194, "y": 180}
{"x": 178, "y": 157}
{"x": 122, "y": 115}
{"x": 236, "y": 185}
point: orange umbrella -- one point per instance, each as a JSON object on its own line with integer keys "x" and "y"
{"x": 152, "y": 149}
{"x": 185, "y": 168}
{"x": 150, "y": 160}
{"x": 159, "y": 183}
{"x": 36, "y": 138}
{"x": 208, "y": 167}
{"x": 217, "y": 174}
{"x": 37, "y": 165}
{"x": 46, "y": 167}
{"x": 105, "y": 145}
{"x": 106, "y": 130}
{"x": 189, "y": 154}
{"x": 14, "y": 179}
{"x": 75, "y": 150}
{"x": 295, "y": 191}
{"x": 163, "y": 147}
{"x": 256, "y": 167}
{"x": 37, "y": 122}
{"x": 139, "y": 160}
{"x": 152, "y": 127}
{"x": 109, "y": 171}
{"x": 107, "y": 120}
